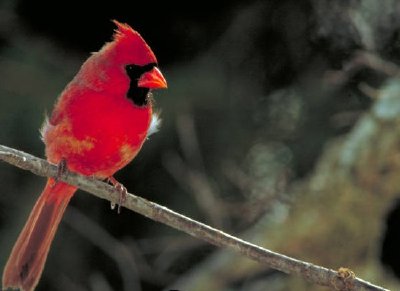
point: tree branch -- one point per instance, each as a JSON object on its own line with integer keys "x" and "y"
{"x": 341, "y": 280}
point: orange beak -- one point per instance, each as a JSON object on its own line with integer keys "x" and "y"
{"x": 153, "y": 80}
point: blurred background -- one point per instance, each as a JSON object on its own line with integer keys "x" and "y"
{"x": 271, "y": 131}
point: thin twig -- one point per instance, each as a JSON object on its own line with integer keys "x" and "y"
{"x": 312, "y": 273}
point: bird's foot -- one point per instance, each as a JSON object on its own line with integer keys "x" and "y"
{"x": 61, "y": 170}
{"x": 122, "y": 192}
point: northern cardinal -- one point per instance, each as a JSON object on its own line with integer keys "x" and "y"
{"x": 98, "y": 125}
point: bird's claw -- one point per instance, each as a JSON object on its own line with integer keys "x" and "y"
{"x": 61, "y": 170}
{"x": 121, "y": 190}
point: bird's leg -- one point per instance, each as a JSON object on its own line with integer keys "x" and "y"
{"x": 122, "y": 192}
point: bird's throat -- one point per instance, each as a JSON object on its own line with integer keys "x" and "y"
{"x": 139, "y": 96}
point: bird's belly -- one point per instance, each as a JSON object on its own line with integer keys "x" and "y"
{"x": 98, "y": 145}
{"x": 98, "y": 155}
{"x": 103, "y": 159}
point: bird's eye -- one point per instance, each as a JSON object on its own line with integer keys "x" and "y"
{"x": 135, "y": 71}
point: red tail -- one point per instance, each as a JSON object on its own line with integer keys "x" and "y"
{"x": 26, "y": 262}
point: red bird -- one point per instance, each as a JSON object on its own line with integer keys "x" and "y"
{"x": 97, "y": 127}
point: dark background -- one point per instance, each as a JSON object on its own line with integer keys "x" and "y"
{"x": 247, "y": 113}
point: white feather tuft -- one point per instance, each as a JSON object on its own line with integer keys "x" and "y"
{"x": 44, "y": 127}
{"x": 154, "y": 124}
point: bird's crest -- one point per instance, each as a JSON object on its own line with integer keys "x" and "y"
{"x": 129, "y": 38}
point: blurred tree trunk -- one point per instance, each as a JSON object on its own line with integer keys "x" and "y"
{"x": 337, "y": 216}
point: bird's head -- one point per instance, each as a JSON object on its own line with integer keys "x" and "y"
{"x": 140, "y": 61}
{"x": 127, "y": 66}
